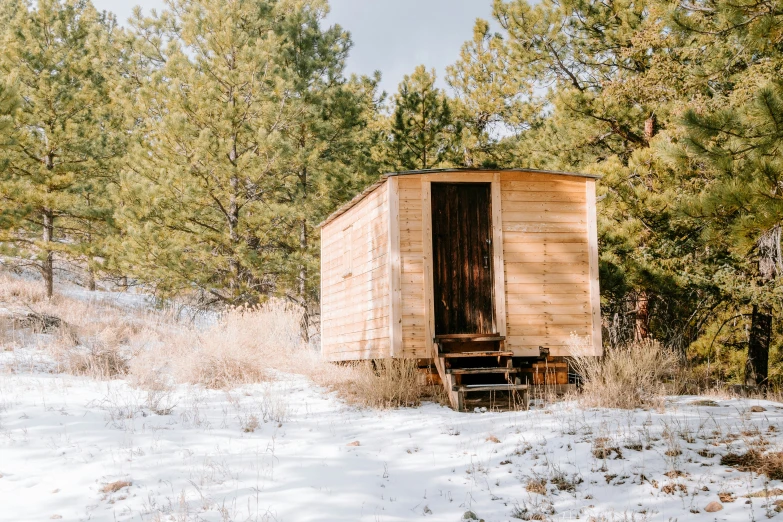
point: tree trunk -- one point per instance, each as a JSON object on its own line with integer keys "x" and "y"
{"x": 769, "y": 254}
{"x": 233, "y": 222}
{"x": 650, "y": 127}
{"x": 642, "y": 321}
{"x": 47, "y": 266}
{"x": 90, "y": 279}
{"x": 758, "y": 346}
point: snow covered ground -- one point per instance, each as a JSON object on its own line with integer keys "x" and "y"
{"x": 78, "y": 449}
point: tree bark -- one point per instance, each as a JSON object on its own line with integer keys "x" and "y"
{"x": 758, "y": 346}
{"x": 642, "y": 321}
{"x": 769, "y": 254}
{"x": 47, "y": 266}
{"x": 90, "y": 279}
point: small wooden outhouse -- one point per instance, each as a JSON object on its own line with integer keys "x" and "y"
{"x": 484, "y": 275}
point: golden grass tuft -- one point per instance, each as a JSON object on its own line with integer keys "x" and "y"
{"x": 114, "y": 487}
{"x": 627, "y": 377}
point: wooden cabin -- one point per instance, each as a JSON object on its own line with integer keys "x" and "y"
{"x": 484, "y": 275}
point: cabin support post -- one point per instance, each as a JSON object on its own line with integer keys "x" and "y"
{"x": 592, "y": 253}
{"x": 394, "y": 269}
{"x": 499, "y": 269}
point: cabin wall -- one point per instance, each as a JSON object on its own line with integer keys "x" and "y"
{"x": 414, "y": 312}
{"x": 355, "y": 299}
{"x": 547, "y": 259}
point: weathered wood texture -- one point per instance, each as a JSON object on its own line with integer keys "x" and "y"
{"x": 462, "y": 258}
{"x": 355, "y": 282}
{"x": 547, "y": 262}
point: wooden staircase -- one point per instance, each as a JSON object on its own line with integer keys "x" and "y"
{"x": 477, "y": 370}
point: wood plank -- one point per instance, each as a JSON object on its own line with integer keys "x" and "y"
{"x": 506, "y": 175}
{"x": 409, "y": 182}
{"x": 511, "y": 207}
{"x": 544, "y": 248}
{"x": 580, "y": 257}
{"x": 479, "y": 371}
{"x": 543, "y": 186}
{"x": 462, "y": 355}
{"x": 498, "y": 258}
{"x": 518, "y": 199}
{"x": 458, "y": 177}
{"x": 548, "y": 318}
{"x": 548, "y": 216}
{"x": 490, "y": 387}
{"x": 534, "y": 341}
{"x": 410, "y": 194}
{"x": 595, "y": 292}
{"x": 412, "y": 264}
{"x": 394, "y": 269}
{"x": 556, "y": 330}
{"x": 569, "y": 298}
{"x": 553, "y": 309}
{"x": 540, "y": 227}
{"x": 547, "y": 268}
{"x": 356, "y": 327}
{"x": 365, "y": 335}
{"x": 543, "y": 238}
{"x": 522, "y": 278}
{"x": 547, "y": 289}
{"x": 429, "y": 305}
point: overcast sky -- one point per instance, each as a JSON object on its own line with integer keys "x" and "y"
{"x": 392, "y": 36}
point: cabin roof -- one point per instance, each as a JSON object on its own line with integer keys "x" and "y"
{"x": 347, "y": 206}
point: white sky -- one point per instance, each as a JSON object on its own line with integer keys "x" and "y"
{"x": 393, "y": 36}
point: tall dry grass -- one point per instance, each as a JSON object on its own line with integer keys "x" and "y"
{"x": 632, "y": 376}
{"x": 157, "y": 349}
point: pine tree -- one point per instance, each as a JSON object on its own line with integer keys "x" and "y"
{"x": 492, "y": 99}
{"x": 743, "y": 147}
{"x": 247, "y": 134}
{"x": 422, "y": 132}
{"x": 63, "y": 136}
{"x": 9, "y": 102}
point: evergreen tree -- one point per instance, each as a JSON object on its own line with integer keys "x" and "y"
{"x": 247, "y": 132}
{"x": 9, "y": 102}
{"x": 422, "y": 133}
{"x": 492, "y": 99}
{"x": 63, "y": 136}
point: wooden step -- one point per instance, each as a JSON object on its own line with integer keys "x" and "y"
{"x": 466, "y": 371}
{"x": 476, "y": 354}
{"x": 477, "y": 339}
{"x": 489, "y": 387}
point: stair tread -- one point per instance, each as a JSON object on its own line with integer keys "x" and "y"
{"x": 496, "y": 369}
{"x": 481, "y": 338}
{"x": 489, "y": 387}
{"x": 476, "y": 354}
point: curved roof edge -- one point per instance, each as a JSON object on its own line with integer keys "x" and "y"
{"x": 360, "y": 196}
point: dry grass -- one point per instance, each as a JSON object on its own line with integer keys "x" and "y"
{"x": 155, "y": 350}
{"x": 629, "y": 377}
{"x": 383, "y": 383}
{"x": 114, "y": 487}
{"x": 756, "y": 461}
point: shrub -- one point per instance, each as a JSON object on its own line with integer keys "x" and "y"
{"x": 383, "y": 383}
{"x": 627, "y": 377}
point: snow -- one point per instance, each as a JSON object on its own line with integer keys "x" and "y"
{"x": 311, "y": 457}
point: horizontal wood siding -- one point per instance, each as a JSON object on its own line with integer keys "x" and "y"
{"x": 547, "y": 263}
{"x": 355, "y": 281}
{"x": 412, "y": 264}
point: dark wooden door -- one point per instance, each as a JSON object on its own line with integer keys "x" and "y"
{"x": 462, "y": 258}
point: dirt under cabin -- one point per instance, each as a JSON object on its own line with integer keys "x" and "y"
{"x": 484, "y": 276}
